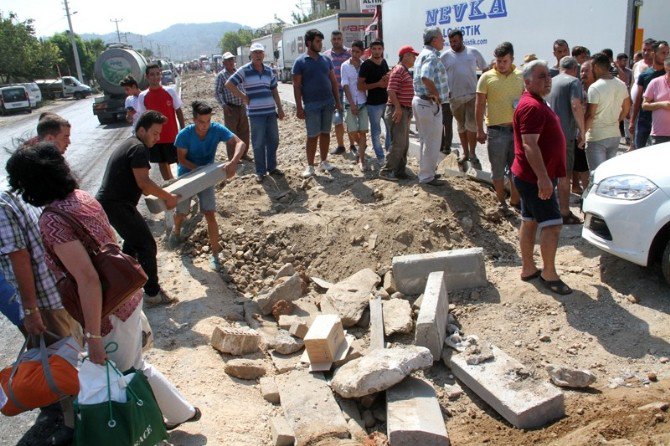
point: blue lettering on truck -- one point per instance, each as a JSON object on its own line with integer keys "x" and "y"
{"x": 443, "y": 15}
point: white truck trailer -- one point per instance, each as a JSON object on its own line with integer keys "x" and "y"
{"x": 269, "y": 42}
{"x": 292, "y": 43}
{"x": 531, "y": 25}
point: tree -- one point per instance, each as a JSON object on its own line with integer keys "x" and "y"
{"x": 18, "y": 48}
{"x": 88, "y": 51}
{"x": 301, "y": 16}
{"x": 234, "y": 39}
{"x": 146, "y": 52}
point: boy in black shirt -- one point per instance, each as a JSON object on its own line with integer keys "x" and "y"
{"x": 374, "y": 78}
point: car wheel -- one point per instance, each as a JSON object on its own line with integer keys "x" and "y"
{"x": 665, "y": 263}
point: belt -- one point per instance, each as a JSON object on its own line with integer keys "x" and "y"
{"x": 501, "y": 127}
{"x": 425, "y": 98}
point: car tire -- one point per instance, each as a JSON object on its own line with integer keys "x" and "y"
{"x": 665, "y": 263}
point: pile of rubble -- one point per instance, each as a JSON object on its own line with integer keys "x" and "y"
{"x": 321, "y": 355}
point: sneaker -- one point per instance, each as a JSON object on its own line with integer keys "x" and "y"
{"x": 259, "y": 178}
{"x": 326, "y": 166}
{"x": 339, "y": 150}
{"x": 308, "y": 172}
{"x": 162, "y": 298}
{"x": 215, "y": 262}
{"x": 402, "y": 176}
{"x": 386, "y": 175}
{"x": 435, "y": 182}
{"x": 196, "y": 416}
{"x": 353, "y": 149}
{"x": 173, "y": 240}
{"x": 276, "y": 173}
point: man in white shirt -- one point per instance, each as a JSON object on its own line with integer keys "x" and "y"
{"x": 356, "y": 113}
{"x": 133, "y": 91}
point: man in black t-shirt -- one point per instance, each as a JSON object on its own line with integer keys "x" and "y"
{"x": 373, "y": 77}
{"x": 126, "y": 179}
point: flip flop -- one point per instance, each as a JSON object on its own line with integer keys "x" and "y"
{"x": 556, "y": 286}
{"x": 530, "y": 277}
{"x": 196, "y": 416}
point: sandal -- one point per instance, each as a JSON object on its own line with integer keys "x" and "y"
{"x": 530, "y": 277}
{"x": 572, "y": 219}
{"x": 556, "y": 286}
{"x": 196, "y": 416}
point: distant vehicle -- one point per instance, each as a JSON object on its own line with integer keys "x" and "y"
{"x": 14, "y": 98}
{"x": 34, "y": 93}
{"x": 269, "y": 42}
{"x": 167, "y": 77}
{"x": 66, "y": 86}
{"x": 627, "y": 207}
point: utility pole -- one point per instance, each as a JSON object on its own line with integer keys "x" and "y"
{"x": 116, "y": 21}
{"x": 74, "y": 42}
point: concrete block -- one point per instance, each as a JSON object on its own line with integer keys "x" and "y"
{"x": 464, "y": 268}
{"x": 235, "y": 341}
{"x": 480, "y": 175}
{"x": 269, "y": 389}
{"x": 285, "y": 363}
{"x": 286, "y": 320}
{"x": 503, "y": 382}
{"x": 310, "y": 407}
{"x": 413, "y": 415}
{"x": 376, "y": 324}
{"x": 299, "y": 330}
{"x": 282, "y": 434}
{"x": 189, "y": 185}
{"x": 431, "y": 324}
{"x": 324, "y": 338}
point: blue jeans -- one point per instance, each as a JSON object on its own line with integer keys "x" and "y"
{"x": 265, "y": 140}
{"x": 376, "y": 116}
{"x": 642, "y": 131}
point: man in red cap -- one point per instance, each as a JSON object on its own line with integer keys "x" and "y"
{"x": 399, "y": 114}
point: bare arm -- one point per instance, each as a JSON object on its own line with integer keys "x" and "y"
{"x": 578, "y": 114}
{"x": 237, "y": 92}
{"x": 297, "y": 94}
{"x": 534, "y": 157}
{"x": 336, "y": 89}
{"x": 231, "y": 166}
{"x": 650, "y": 105}
{"x": 181, "y": 157}
{"x": 480, "y": 108}
{"x": 590, "y": 115}
{"x": 25, "y": 279}
{"x": 280, "y": 109}
{"x": 625, "y": 108}
{"x": 180, "y": 118}
{"x": 150, "y": 188}
{"x": 635, "y": 109}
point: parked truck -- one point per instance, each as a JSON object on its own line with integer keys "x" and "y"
{"x": 530, "y": 25}
{"x": 269, "y": 42}
{"x": 292, "y": 43}
{"x": 113, "y": 64}
{"x": 64, "y": 87}
{"x": 243, "y": 55}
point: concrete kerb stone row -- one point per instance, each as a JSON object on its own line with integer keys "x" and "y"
{"x": 431, "y": 324}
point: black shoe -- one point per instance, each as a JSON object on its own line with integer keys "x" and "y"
{"x": 196, "y": 417}
{"x": 339, "y": 150}
{"x": 276, "y": 173}
{"x": 402, "y": 176}
{"x": 386, "y": 175}
{"x": 435, "y": 182}
{"x": 446, "y": 150}
{"x": 438, "y": 176}
{"x": 62, "y": 437}
{"x": 353, "y": 149}
{"x": 259, "y": 178}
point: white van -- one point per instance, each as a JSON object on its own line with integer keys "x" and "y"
{"x": 34, "y": 93}
{"x": 14, "y": 98}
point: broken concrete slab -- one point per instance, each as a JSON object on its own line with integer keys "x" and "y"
{"x": 376, "y": 324}
{"x": 189, "y": 185}
{"x": 379, "y": 370}
{"x": 479, "y": 175}
{"x": 269, "y": 389}
{"x": 245, "y": 368}
{"x": 413, "y": 414}
{"x": 299, "y": 329}
{"x": 288, "y": 290}
{"x": 354, "y": 350}
{"x": 464, "y": 268}
{"x": 353, "y": 417}
{"x": 286, "y": 344}
{"x": 564, "y": 376}
{"x": 523, "y": 400}
{"x": 285, "y": 363}
{"x": 349, "y": 297}
{"x": 285, "y": 271}
{"x": 389, "y": 283}
{"x": 282, "y": 434}
{"x": 286, "y": 320}
{"x": 235, "y": 341}
{"x": 397, "y": 316}
{"x": 431, "y": 324}
{"x": 321, "y": 283}
{"x": 310, "y": 407}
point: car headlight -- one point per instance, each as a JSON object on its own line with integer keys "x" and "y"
{"x": 625, "y": 187}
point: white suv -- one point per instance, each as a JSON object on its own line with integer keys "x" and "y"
{"x": 34, "y": 93}
{"x": 14, "y": 98}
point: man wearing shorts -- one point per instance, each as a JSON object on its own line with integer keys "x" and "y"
{"x": 196, "y": 147}
{"x": 338, "y": 54}
{"x": 167, "y": 102}
{"x": 317, "y": 95}
{"x": 355, "y": 110}
{"x": 539, "y": 160}
{"x": 461, "y": 63}
{"x": 498, "y": 92}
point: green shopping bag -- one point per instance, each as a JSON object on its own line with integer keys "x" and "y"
{"x": 137, "y": 422}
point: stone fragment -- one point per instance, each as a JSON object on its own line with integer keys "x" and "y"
{"x": 378, "y": 370}
{"x": 397, "y": 316}
{"x": 298, "y": 329}
{"x": 235, "y": 341}
{"x": 349, "y": 297}
{"x": 354, "y": 421}
{"x": 284, "y": 363}
{"x": 355, "y": 351}
{"x": 655, "y": 406}
{"x": 285, "y": 271}
{"x": 288, "y": 290}
{"x": 269, "y": 389}
{"x": 286, "y": 344}
{"x": 285, "y": 321}
{"x": 281, "y": 308}
{"x": 414, "y": 416}
{"x": 369, "y": 419}
{"x": 310, "y": 407}
{"x": 376, "y": 324}
{"x": 564, "y": 376}
{"x": 464, "y": 268}
{"x": 389, "y": 284}
{"x": 431, "y": 324}
{"x": 282, "y": 434}
{"x": 454, "y": 391}
{"x": 245, "y": 368}
{"x": 417, "y": 303}
{"x": 523, "y": 400}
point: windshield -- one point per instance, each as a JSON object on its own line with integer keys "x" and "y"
{"x": 13, "y": 94}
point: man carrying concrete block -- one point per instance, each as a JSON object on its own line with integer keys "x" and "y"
{"x": 196, "y": 147}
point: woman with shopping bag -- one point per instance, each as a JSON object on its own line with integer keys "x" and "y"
{"x": 43, "y": 177}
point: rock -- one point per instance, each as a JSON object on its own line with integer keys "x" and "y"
{"x": 285, "y": 271}
{"x": 454, "y": 391}
{"x": 245, "y": 368}
{"x": 368, "y": 419}
{"x": 350, "y": 296}
{"x": 632, "y": 299}
{"x": 321, "y": 283}
{"x": 364, "y": 321}
{"x": 652, "y": 377}
{"x": 397, "y": 316}
{"x": 285, "y": 321}
{"x": 477, "y": 354}
{"x": 656, "y": 406}
{"x": 380, "y": 414}
{"x": 269, "y": 389}
{"x": 397, "y": 295}
{"x": 379, "y": 370}
{"x": 566, "y": 377}
{"x": 286, "y": 344}
{"x": 545, "y": 338}
{"x": 389, "y": 285}
{"x": 289, "y": 290}
{"x": 281, "y": 308}
{"x": 235, "y": 341}
{"x": 417, "y": 303}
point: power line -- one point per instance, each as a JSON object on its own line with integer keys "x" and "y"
{"x": 74, "y": 42}
{"x": 116, "y": 22}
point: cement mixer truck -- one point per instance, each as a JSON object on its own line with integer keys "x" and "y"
{"x": 115, "y": 63}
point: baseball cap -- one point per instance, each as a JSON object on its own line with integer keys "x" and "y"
{"x": 256, "y": 47}
{"x": 407, "y": 49}
{"x": 228, "y": 55}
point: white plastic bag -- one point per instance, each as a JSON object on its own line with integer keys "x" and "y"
{"x": 93, "y": 384}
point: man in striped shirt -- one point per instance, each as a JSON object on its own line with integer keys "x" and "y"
{"x": 399, "y": 114}
{"x": 234, "y": 111}
{"x": 263, "y": 107}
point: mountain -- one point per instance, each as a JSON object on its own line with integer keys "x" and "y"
{"x": 183, "y": 41}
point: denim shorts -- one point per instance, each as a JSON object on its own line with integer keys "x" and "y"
{"x": 357, "y": 123}
{"x": 319, "y": 119}
{"x": 500, "y": 149}
{"x": 207, "y": 201}
{"x": 544, "y": 212}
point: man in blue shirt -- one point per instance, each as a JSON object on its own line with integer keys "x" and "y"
{"x": 315, "y": 86}
{"x": 196, "y": 146}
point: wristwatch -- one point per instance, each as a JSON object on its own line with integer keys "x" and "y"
{"x": 88, "y": 335}
{"x": 29, "y": 311}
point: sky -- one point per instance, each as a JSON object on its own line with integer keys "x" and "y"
{"x": 145, "y": 17}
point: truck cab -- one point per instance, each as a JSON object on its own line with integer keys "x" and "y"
{"x": 72, "y": 87}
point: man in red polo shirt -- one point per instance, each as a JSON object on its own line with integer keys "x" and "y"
{"x": 539, "y": 160}
{"x": 167, "y": 102}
